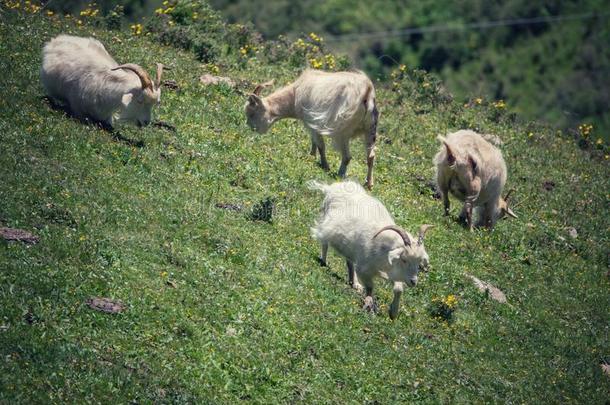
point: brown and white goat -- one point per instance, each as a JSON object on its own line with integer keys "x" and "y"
{"x": 340, "y": 105}
{"x": 473, "y": 171}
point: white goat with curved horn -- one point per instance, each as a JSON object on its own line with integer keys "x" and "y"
{"x": 362, "y": 230}
{"x": 80, "y": 72}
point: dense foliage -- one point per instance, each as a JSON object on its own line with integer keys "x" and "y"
{"x": 554, "y": 71}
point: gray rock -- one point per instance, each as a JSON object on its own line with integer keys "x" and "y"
{"x": 483, "y": 286}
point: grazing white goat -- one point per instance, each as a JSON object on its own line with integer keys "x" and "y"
{"x": 473, "y": 170}
{"x": 340, "y": 105}
{"x": 80, "y": 72}
{"x": 362, "y": 230}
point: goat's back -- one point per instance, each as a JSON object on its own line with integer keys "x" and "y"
{"x": 69, "y": 61}
{"x": 349, "y": 214}
{"x": 334, "y": 102}
{"x": 78, "y": 71}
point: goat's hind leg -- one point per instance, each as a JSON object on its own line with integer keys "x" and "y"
{"x": 319, "y": 142}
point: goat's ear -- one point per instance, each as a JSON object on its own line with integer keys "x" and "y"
{"x": 262, "y": 86}
{"x": 254, "y": 100}
{"x": 394, "y": 255}
{"x": 472, "y": 163}
{"x": 450, "y": 155}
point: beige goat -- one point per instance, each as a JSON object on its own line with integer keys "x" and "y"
{"x": 473, "y": 170}
{"x": 340, "y": 105}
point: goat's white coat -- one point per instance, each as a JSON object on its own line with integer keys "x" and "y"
{"x": 77, "y": 71}
{"x": 340, "y": 105}
{"x": 349, "y": 221}
{"x": 475, "y": 173}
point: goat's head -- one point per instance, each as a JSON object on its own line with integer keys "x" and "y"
{"x": 139, "y": 102}
{"x": 258, "y": 115}
{"x": 503, "y": 208}
{"x": 409, "y": 259}
{"x": 465, "y": 167}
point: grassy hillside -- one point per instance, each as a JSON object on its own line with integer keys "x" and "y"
{"x": 221, "y": 307}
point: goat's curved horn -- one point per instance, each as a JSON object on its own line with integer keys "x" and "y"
{"x": 159, "y": 74}
{"x": 142, "y": 74}
{"x": 260, "y": 87}
{"x": 508, "y": 194}
{"x": 422, "y": 233}
{"x": 398, "y": 230}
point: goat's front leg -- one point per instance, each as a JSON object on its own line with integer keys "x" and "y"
{"x": 345, "y": 157}
{"x": 486, "y": 216}
{"x": 314, "y": 148}
{"x": 370, "y": 161}
{"x": 442, "y": 180}
{"x": 323, "y": 253}
{"x": 352, "y": 278}
{"x": 319, "y": 142}
{"x": 471, "y": 197}
{"x": 369, "y": 302}
{"x": 395, "y": 306}
{"x": 467, "y": 211}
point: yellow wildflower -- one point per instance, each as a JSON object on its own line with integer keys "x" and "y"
{"x": 499, "y": 104}
{"x": 136, "y": 29}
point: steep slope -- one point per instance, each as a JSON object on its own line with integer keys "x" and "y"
{"x": 222, "y": 308}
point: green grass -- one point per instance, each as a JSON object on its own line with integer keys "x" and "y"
{"x": 253, "y": 316}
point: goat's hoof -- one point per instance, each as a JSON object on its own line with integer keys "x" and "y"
{"x": 357, "y": 287}
{"x": 322, "y": 262}
{"x": 369, "y": 305}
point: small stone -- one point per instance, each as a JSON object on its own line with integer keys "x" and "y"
{"x": 105, "y": 305}
{"x": 483, "y": 286}
{"x": 171, "y": 84}
{"x": 369, "y": 305}
{"x": 573, "y": 233}
{"x": 548, "y": 185}
{"x": 18, "y": 235}
{"x": 231, "y": 331}
{"x": 208, "y": 79}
